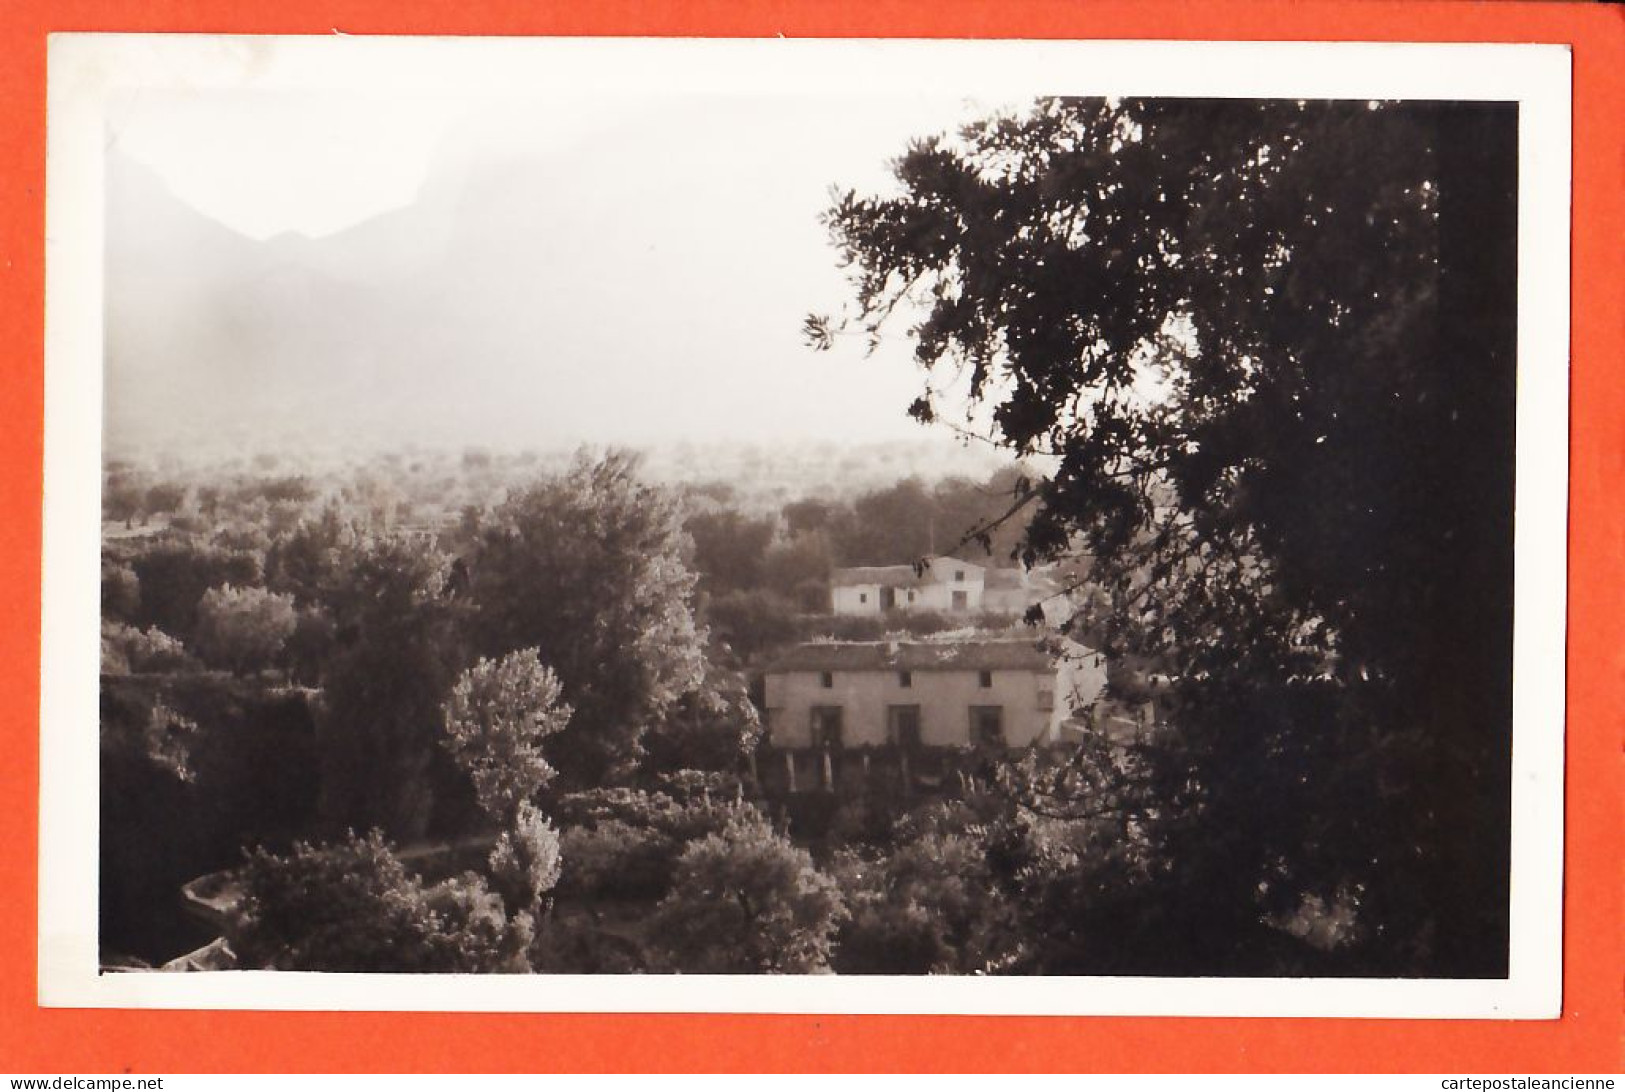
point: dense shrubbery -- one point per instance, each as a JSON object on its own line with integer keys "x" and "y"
{"x": 174, "y": 576}
{"x": 668, "y": 870}
{"x": 617, "y": 860}
{"x": 243, "y": 628}
{"x": 623, "y": 844}
{"x": 121, "y": 592}
{"x": 745, "y": 900}
{"x": 353, "y": 906}
{"x": 126, "y": 649}
{"x": 193, "y": 766}
{"x": 275, "y": 574}
{"x": 417, "y": 736}
{"x": 711, "y": 728}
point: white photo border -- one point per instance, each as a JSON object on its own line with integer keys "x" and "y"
{"x": 87, "y": 70}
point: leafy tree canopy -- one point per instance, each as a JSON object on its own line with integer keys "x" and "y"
{"x": 588, "y": 568}
{"x": 354, "y": 906}
{"x": 744, "y": 900}
{"x": 729, "y": 548}
{"x": 497, "y": 716}
{"x": 712, "y": 727}
{"x": 308, "y": 561}
{"x": 173, "y": 577}
{"x": 243, "y": 628}
{"x": 385, "y": 687}
{"x": 1264, "y": 349}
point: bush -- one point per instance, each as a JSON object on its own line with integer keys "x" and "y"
{"x": 881, "y": 938}
{"x": 159, "y": 739}
{"x": 126, "y": 649}
{"x": 683, "y": 820}
{"x": 711, "y": 728}
{"x": 173, "y": 578}
{"x": 616, "y": 860}
{"x": 578, "y": 945}
{"x": 744, "y": 900}
{"x": 243, "y": 628}
{"x": 121, "y": 592}
{"x": 353, "y": 906}
{"x": 624, "y": 843}
{"x": 177, "y": 803}
{"x": 525, "y": 862}
{"x": 933, "y": 905}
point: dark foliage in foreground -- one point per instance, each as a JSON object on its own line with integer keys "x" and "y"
{"x": 1270, "y": 346}
{"x": 354, "y": 906}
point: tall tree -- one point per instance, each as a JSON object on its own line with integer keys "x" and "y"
{"x": 587, "y": 568}
{"x": 1267, "y": 349}
{"x": 399, "y": 650}
{"x": 497, "y": 716}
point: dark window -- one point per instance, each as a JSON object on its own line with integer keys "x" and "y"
{"x": 826, "y": 679}
{"x": 863, "y": 597}
{"x": 985, "y": 679}
{"x": 959, "y": 574}
{"x": 903, "y": 726}
{"x": 905, "y": 679}
{"x": 987, "y": 724}
{"x": 826, "y": 727}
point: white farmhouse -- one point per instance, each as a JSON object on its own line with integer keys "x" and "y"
{"x": 942, "y": 584}
{"x": 841, "y": 695}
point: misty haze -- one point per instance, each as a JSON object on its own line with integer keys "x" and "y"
{"x": 638, "y": 283}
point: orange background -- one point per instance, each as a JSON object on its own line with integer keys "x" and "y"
{"x": 1589, "y": 1037}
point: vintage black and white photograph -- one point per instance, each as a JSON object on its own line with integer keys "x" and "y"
{"x": 648, "y": 510}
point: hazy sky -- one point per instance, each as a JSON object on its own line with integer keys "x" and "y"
{"x": 313, "y": 162}
{"x": 705, "y": 250}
